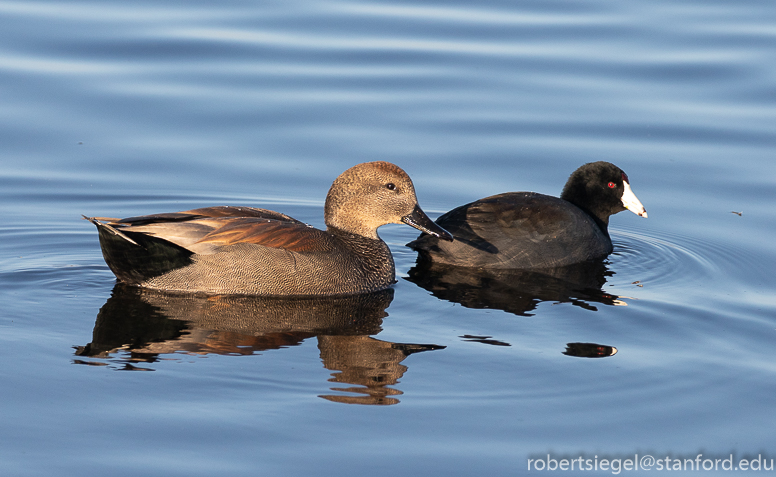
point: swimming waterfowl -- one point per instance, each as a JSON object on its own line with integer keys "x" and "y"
{"x": 250, "y": 251}
{"x": 524, "y": 230}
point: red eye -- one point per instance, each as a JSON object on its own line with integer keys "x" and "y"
{"x": 612, "y": 185}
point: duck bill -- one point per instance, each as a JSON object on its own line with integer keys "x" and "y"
{"x": 631, "y": 202}
{"x": 422, "y": 222}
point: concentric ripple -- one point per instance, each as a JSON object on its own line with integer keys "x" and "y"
{"x": 671, "y": 259}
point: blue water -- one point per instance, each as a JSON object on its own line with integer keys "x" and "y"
{"x": 121, "y": 109}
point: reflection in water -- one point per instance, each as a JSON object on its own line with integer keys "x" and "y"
{"x": 589, "y": 350}
{"x": 484, "y": 340}
{"x": 368, "y": 362}
{"x": 580, "y": 350}
{"x": 520, "y": 292}
{"x": 145, "y": 324}
{"x": 516, "y": 291}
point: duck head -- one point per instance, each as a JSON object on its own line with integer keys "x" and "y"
{"x": 373, "y": 194}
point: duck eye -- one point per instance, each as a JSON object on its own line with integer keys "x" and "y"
{"x": 390, "y": 186}
{"x": 612, "y": 185}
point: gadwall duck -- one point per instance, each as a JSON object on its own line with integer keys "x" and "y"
{"x": 249, "y": 251}
{"x": 523, "y": 230}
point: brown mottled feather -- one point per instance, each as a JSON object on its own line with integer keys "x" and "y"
{"x": 244, "y": 250}
{"x": 295, "y": 236}
{"x": 229, "y": 211}
{"x": 202, "y": 230}
{"x": 203, "y": 213}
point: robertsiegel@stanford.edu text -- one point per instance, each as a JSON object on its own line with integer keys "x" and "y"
{"x": 649, "y": 462}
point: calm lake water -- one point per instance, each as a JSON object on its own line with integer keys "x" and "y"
{"x": 129, "y": 108}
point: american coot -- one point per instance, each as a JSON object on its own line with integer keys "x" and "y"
{"x": 244, "y": 250}
{"x": 529, "y": 230}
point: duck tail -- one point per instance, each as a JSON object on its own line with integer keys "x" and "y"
{"x": 105, "y": 227}
{"x": 136, "y": 257}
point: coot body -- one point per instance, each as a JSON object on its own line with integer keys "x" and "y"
{"x": 524, "y": 230}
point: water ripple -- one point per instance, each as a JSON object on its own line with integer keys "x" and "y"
{"x": 471, "y": 15}
{"x": 674, "y": 259}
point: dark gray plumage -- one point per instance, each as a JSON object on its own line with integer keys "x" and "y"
{"x": 525, "y": 230}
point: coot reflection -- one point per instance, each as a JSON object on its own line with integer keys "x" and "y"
{"x": 516, "y": 291}
{"x": 589, "y": 350}
{"x": 144, "y": 324}
{"x": 520, "y": 292}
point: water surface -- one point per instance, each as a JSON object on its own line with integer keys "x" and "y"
{"x": 127, "y": 109}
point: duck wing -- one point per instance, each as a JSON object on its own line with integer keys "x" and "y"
{"x": 292, "y": 236}
{"x": 140, "y": 248}
{"x": 203, "y": 230}
{"x": 203, "y": 213}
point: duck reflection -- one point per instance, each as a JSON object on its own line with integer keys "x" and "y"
{"x": 147, "y": 324}
{"x": 516, "y": 291}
